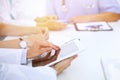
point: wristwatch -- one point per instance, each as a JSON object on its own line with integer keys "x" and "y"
{"x": 23, "y": 43}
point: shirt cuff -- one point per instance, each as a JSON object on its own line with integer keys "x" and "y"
{"x": 24, "y": 57}
{"x": 47, "y": 71}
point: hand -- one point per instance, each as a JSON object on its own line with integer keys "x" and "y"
{"x": 59, "y": 67}
{"x": 39, "y": 47}
{"x": 44, "y": 32}
{"x": 55, "y": 25}
{"x": 35, "y": 38}
{"x": 45, "y": 60}
{"x": 51, "y": 22}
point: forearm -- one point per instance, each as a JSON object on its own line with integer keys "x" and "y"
{"x": 107, "y": 16}
{"x": 10, "y": 44}
{"x": 16, "y": 30}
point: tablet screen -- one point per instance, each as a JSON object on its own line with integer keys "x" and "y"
{"x": 69, "y": 49}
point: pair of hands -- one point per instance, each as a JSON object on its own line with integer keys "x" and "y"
{"x": 38, "y": 44}
{"x": 51, "y": 22}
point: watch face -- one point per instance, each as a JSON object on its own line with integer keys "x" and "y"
{"x": 23, "y": 44}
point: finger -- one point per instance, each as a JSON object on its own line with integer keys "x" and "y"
{"x": 44, "y": 62}
{"x": 71, "y": 58}
{"x": 48, "y": 55}
{"x": 45, "y": 57}
{"x": 40, "y": 59}
{"x": 46, "y": 49}
{"x": 54, "y": 57}
{"x": 48, "y": 44}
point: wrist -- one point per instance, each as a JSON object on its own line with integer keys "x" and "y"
{"x": 28, "y": 56}
{"x": 28, "y": 42}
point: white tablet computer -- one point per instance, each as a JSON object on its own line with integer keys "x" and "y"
{"x": 69, "y": 49}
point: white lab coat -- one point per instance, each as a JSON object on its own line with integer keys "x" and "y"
{"x": 10, "y": 68}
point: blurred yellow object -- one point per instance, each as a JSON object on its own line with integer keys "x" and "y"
{"x": 51, "y": 22}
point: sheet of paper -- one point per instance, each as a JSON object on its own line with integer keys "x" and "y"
{"x": 93, "y": 26}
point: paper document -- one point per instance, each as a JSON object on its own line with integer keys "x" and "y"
{"x": 93, "y": 26}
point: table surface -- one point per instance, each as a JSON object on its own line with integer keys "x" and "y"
{"x": 87, "y": 66}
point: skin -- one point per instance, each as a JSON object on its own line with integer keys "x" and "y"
{"x": 62, "y": 65}
{"x": 40, "y": 47}
{"x": 36, "y": 39}
{"x": 17, "y": 30}
{"x": 45, "y": 60}
{"x": 35, "y": 44}
{"x": 106, "y": 16}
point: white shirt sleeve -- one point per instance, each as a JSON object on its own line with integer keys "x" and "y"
{"x": 12, "y": 56}
{"x": 19, "y": 72}
{"x": 24, "y": 57}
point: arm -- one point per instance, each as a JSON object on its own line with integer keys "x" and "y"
{"x": 10, "y": 44}
{"x": 16, "y": 30}
{"x": 106, "y": 16}
{"x": 35, "y": 43}
{"x": 30, "y": 40}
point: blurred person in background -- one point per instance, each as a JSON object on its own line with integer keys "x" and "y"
{"x": 85, "y": 10}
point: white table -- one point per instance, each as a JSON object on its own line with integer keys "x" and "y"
{"x": 87, "y": 66}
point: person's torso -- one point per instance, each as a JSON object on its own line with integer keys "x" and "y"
{"x": 75, "y": 8}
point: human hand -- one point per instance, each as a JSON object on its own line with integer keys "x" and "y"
{"x": 41, "y": 61}
{"x": 35, "y": 38}
{"x": 62, "y": 65}
{"x": 43, "y": 31}
{"x": 55, "y": 25}
{"x": 51, "y": 22}
{"x": 37, "y": 47}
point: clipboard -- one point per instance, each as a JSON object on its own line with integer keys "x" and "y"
{"x": 93, "y": 26}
